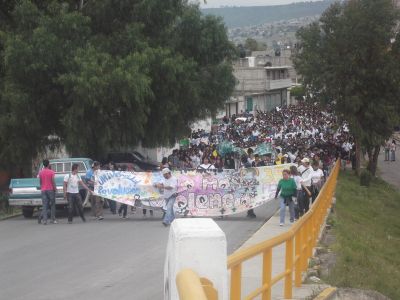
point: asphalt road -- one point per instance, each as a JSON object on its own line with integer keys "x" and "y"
{"x": 108, "y": 259}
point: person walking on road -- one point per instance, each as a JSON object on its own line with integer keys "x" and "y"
{"x": 123, "y": 210}
{"x": 48, "y": 190}
{"x": 71, "y": 193}
{"x": 96, "y": 202}
{"x": 287, "y": 188}
{"x": 111, "y": 203}
{"x": 168, "y": 186}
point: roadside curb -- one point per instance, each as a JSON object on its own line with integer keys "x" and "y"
{"x": 327, "y": 294}
{"x": 9, "y": 217}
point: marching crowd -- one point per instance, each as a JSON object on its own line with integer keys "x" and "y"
{"x": 294, "y": 132}
{"x": 304, "y": 134}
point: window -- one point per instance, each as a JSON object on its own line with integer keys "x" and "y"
{"x": 67, "y": 167}
{"x": 81, "y": 166}
{"x": 140, "y": 156}
{"x": 57, "y": 167}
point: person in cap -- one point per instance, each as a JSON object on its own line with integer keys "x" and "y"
{"x": 96, "y": 202}
{"x": 168, "y": 187}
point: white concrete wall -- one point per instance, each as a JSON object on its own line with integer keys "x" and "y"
{"x": 198, "y": 244}
{"x": 202, "y": 124}
{"x": 155, "y": 154}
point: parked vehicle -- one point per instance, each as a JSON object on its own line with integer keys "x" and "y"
{"x": 133, "y": 158}
{"x": 128, "y": 166}
{"x": 25, "y": 192}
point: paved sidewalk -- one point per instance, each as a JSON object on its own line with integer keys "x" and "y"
{"x": 251, "y": 269}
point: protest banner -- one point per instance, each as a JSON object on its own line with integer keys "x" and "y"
{"x": 199, "y": 194}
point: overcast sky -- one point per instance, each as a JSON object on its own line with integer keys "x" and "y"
{"x": 218, "y": 3}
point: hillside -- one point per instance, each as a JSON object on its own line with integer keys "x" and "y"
{"x": 256, "y": 15}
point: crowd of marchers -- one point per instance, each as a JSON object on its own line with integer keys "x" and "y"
{"x": 293, "y": 133}
{"x": 305, "y": 134}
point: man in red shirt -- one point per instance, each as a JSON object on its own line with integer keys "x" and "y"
{"x": 48, "y": 188}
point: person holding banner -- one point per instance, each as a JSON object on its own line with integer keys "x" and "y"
{"x": 168, "y": 187}
{"x": 287, "y": 188}
{"x": 96, "y": 202}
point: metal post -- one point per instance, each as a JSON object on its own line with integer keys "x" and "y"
{"x": 266, "y": 276}
{"x": 236, "y": 282}
{"x": 297, "y": 251}
{"x": 289, "y": 269}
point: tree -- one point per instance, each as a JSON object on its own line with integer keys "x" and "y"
{"x": 253, "y": 45}
{"x": 36, "y": 49}
{"x": 106, "y": 74}
{"x": 347, "y": 59}
{"x": 298, "y": 92}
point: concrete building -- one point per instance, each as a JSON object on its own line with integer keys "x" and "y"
{"x": 262, "y": 84}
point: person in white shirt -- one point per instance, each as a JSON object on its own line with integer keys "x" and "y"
{"x": 304, "y": 172}
{"x": 168, "y": 186}
{"x": 297, "y": 179}
{"x": 206, "y": 166}
{"x": 71, "y": 193}
{"x": 317, "y": 179}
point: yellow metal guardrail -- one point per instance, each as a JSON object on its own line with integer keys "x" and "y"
{"x": 192, "y": 287}
{"x": 300, "y": 240}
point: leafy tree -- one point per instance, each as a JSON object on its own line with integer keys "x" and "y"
{"x": 107, "y": 74}
{"x": 298, "y": 92}
{"x": 37, "y": 49}
{"x": 347, "y": 59}
{"x": 253, "y": 45}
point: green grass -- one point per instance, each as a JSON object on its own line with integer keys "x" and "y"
{"x": 367, "y": 229}
{"x": 5, "y": 209}
{"x": 9, "y": 212}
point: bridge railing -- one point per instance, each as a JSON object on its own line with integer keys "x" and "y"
{"x": 192, "y": 287}
{"x": 300, "y": 240}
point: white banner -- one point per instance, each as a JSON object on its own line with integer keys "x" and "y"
{"x": 199, "y": 194}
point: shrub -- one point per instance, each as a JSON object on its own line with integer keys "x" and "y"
{"x": 4, "y": 206}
